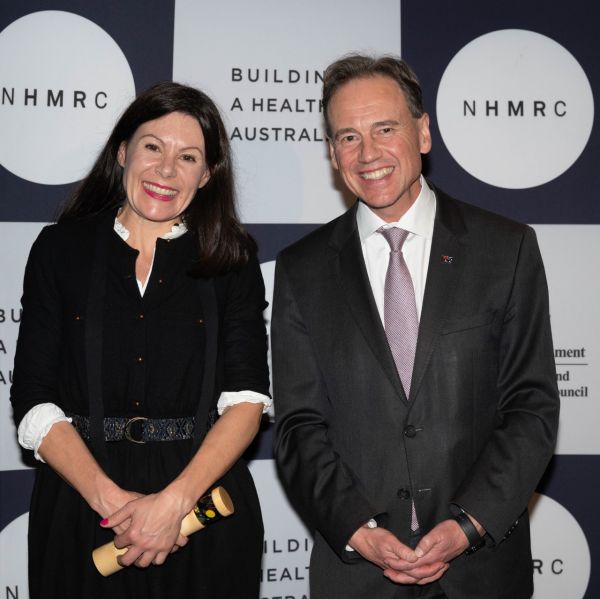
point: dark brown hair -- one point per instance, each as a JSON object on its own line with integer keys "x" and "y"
{"x": 211, "y": 217}
{"x": 358, "y": 66}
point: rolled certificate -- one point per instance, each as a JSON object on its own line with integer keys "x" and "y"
{"x": 210, "y": 508}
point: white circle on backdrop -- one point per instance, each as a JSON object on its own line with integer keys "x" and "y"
{"x": 13, "y": 565}
{"x": 514, "y": 108}
{"x": 49, "y": 58}
{"x": 561, "y": 554}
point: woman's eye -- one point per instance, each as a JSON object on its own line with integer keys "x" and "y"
{"x": 189, "y": 158}
{"x": 151, "y": 147}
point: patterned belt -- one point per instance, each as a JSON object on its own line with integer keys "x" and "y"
{"x": 139, "y": 429}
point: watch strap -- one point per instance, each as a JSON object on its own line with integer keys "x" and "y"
{"x": 476, "y": 541}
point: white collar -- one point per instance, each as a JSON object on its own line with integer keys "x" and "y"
{"x": 418, "y": 219}
{"x": 177, "y": 230}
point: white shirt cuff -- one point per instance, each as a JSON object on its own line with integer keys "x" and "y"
{"x": 36, "y": 424}
{"x": 232, "y": 398}
{"x": 372, "y": 523}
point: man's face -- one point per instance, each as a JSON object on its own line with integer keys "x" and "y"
{"x": 376, "y": 144}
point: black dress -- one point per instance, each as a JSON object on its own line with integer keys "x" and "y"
{"x": 153, "y": 364}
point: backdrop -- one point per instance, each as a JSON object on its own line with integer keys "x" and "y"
{"x": 510, "y": 89}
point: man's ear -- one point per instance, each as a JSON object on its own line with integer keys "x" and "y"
{"x": 424, "y": 134}
{"x": 332, "y": 155}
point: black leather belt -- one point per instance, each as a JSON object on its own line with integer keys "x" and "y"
{"x": 139, "y": 429}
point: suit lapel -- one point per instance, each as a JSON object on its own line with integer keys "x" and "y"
{"x": 445, "y": 268}
{"x": 352, "y": 273}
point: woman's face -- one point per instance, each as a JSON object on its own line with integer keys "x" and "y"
{"x": 163, "y": 166}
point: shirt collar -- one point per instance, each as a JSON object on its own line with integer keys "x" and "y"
{"x": 418, "y": 219}
{"x": 177, "y": 230}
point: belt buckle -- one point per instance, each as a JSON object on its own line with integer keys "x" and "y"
{"x": 127, "y": 430}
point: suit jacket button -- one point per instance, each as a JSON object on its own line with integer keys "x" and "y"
{"x": 410, "y": 431}
{"x": 403, "y": 493}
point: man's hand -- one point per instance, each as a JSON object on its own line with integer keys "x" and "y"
{"x": 440, "y": 545}
{"x": 380, "y": 546}
{"x": 398, "y": 561}
{"x": 427, "y": 563}
{"x": 446, "y": 540}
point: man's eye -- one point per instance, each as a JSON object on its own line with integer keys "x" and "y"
{"x": 348, "y": 139}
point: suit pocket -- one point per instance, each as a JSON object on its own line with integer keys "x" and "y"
{"x": 470, "y": 322}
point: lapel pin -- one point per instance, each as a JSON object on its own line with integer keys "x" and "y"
{"x": 447, "y": 259}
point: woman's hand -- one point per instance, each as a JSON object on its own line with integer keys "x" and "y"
{"x": 65, "y": 451}
{"x": 111, "y": 502}
{"x": 152, "y": 524}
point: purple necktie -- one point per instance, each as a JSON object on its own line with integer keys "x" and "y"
{"x": 400, "y": 316}
{"x": 400, "y": 307}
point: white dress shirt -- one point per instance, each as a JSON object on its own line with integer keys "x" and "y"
{"x": 418, "y": 220}
{"x": 38, "y": 421}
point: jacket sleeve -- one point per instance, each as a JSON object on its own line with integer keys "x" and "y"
{"x": 243, "y": 334}
{"x": 504, "y": 477}
{"x": 321, "y": 486}
{"x": 35, "y": 375}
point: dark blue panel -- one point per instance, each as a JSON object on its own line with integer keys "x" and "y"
{"x": 15, "y": 491}
{"x": 262, "y": 447}
{"x": 144, "y": 31}
{"x": 272, "y": 239}
{"x": 434, "y": 31}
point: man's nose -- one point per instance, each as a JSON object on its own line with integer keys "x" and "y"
{"x": 369, "y": 150}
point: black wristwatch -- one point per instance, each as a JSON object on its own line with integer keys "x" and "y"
{"x": 476, "y": 541}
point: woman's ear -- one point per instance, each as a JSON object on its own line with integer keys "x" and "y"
{"x": 204, "y": 178}
{"x": 122, "y": 153}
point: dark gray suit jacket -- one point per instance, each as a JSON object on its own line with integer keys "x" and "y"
{"x": 478, "y": 429}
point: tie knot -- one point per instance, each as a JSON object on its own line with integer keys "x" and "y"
{"x": 394, "y": 236}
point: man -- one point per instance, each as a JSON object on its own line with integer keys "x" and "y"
{"x": 415, "y": 390}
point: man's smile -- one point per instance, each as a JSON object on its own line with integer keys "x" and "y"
{"x": 380, "y": 173}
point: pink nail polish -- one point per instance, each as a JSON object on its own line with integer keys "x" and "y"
{"x": 104, "y": 522}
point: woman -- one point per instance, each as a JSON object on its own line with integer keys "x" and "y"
{"x": 142, "y": 319}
